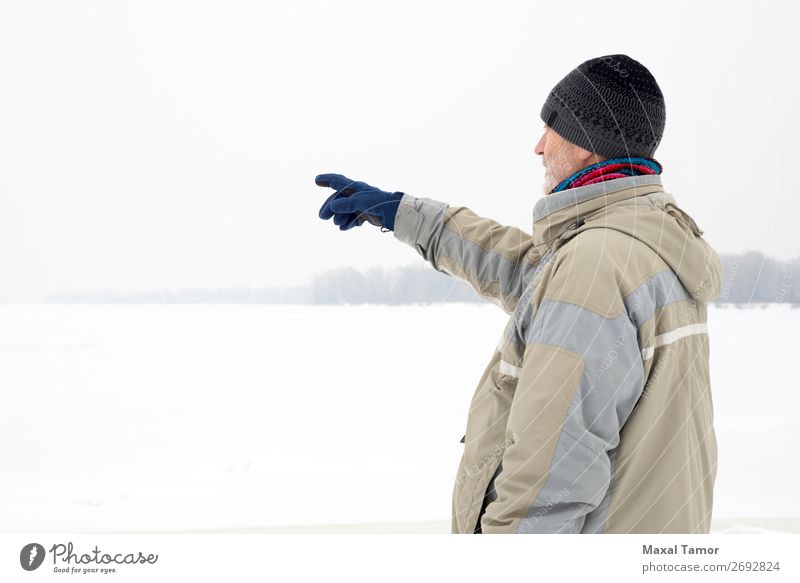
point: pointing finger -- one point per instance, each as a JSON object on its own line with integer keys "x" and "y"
{"x": 335, "y": 181}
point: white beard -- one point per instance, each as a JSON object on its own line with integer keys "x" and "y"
{"x": 556, "y": 169}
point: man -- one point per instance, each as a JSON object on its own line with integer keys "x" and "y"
{"x": 594, "y": 414}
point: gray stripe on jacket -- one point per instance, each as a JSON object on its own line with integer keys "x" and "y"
{"x": 612, "y": 381}
{"x": 420, "y": 223}
{"x": 658, "y": 291}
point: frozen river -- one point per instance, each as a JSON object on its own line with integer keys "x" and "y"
{"x": 313, "y": 418}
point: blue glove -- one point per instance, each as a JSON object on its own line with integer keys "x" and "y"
{"x": 356, "y": 202}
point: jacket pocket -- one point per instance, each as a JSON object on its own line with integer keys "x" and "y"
{"x": 470, "y": 489}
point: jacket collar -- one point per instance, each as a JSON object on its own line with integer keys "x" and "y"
{"x": 555, "y": 213}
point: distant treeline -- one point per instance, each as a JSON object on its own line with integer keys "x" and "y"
{"x": 747, "y": 278}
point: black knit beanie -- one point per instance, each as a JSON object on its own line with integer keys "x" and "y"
{"x": 609, "y": 105}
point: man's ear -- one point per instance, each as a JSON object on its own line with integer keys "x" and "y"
{"x": 586, "y": 157}
{"x": 583, "y": 154}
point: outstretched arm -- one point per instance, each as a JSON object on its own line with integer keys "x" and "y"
{"x": 494, "y": 259}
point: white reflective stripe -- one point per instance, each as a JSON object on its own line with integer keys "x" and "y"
{"x": 672, "y": 336}
{"x": 509, "y": 369}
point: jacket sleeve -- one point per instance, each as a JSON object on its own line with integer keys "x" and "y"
{"x": 580, "y": 378}
{"x": 494, "y": 259}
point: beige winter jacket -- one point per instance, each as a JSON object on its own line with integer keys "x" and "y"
{"x": 594, "y": 414}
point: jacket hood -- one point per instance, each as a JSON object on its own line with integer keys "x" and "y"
{"x": 639, "y": 207}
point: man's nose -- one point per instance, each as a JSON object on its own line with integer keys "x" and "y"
{"x": 540, "y": 146}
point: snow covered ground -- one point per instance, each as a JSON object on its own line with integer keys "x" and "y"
{"x": 313, "y": 418}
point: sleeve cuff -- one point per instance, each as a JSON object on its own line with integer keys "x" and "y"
{"x": 419, "y": 221}
{"x": 408, "y": 220}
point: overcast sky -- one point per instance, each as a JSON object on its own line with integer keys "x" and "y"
{"x": 165, "y": 145}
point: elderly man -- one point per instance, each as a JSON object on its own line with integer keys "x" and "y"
{"x": 594, "y": 413}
